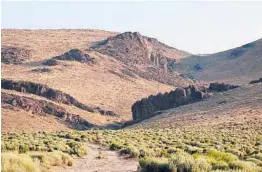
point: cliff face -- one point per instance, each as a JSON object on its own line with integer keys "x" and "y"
{"x": 148, "y": 107}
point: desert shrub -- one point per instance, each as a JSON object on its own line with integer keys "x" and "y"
{"x": 201, "y": 165}
{"x": 53, "y": 158}
{"x": 12, "y": 162}
{"x": 243, "y": 165}
{"x": 115, "y": 145}
{"x": 23, "y": 149}
{"x": 185, "y": 162}
{"x": 220, "y": 160}
{"x": 77, "y": 149}
{"x": 131, "y": 151}
{"x": 220, "y": 165}
{"x": 171, "y": 150}
{"x": 151, "y": 164}
{"x": 258, "y": 156}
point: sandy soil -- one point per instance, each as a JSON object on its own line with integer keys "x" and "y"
{"x": 111, "y": 163}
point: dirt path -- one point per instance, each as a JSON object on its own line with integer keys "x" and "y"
{"x": 111, "y": 163}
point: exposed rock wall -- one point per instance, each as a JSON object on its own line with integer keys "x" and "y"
{"x": 52, "y": 94}
{"x": 41, "y": 107}
{"x": 221, "y": 87}
{"x": 148, "y": 107}
{"x": 256, "y": 81}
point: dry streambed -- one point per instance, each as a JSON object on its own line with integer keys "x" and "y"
{"x": 109, "y": 161}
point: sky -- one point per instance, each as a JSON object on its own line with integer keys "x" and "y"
{"x": 196, "y": 27}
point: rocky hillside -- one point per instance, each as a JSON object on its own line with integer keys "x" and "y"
{"x": 63, "y": 61}
{"x": 237, "y": 106}
{"x": 238, "y": 65}
{"x": 146, "y": 57}
{"x": 154, "y": 104}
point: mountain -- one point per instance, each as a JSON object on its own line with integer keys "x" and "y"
{"x": 78, "y": 70}
{"x": 146, "y": 57}
{"x": 238, "y": 65}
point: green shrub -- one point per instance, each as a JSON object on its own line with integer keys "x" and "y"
{"x": 18, "y": 162}
{"x": 115, "y": 145}
{"x": 150, "y": 164}
{"x": 185, "y": 162}
{"x": 131, "y": 151}
{"x": 23, "y": 149}
{"x": 56, "y": 158}
{"x": 77, "y": 149}
{"x": 258, "y": 156}
{"x": 221, "y": 156}
{"x": 245, "y": 166}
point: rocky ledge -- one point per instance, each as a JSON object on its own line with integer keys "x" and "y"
{"x": 51, "y": 94}
{"x": 42, "y": 107}
{"x": 72, "y": 55}
{"x": 256, "y": 81}
{"x": 148, "y": 107}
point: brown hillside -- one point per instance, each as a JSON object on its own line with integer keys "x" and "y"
{"x": 239, "y": 65}
{"x": 231, "y": 108}
{"x": 107, "y": 83}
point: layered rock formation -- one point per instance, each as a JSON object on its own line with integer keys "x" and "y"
{"x": 256, "y": 81}
{"x": 221, "y": 87}
{"x": 41, "y": 107}
{"x": 14, "y": 55}
{"x": 51, "y": 94}
{"x": 148, "y": 107}
{"x": 72, "y": 55}
{"x": 144, "y": 56}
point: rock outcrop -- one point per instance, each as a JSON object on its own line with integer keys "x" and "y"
{"x": 148, "y": 107}
{"x": 51, "y": 94}
{"x": 221, "y": 87}
{"x": 256, "y": 81}
{"x": 41, "y": 107}
{"x": 14, "y": 55}
{"x": 151, "y": 106}
{"x": 144, "y": 56}
{"x": 72, "y": 55}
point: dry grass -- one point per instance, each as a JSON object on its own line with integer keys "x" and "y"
{"x": 222, "y": 66}
{"x": 93, "y": 85}
{"x": 15, "y": 120}
{"x": 48, "y": 43}
{"x": 20, "y": 120}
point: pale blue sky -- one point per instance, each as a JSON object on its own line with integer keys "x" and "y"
{"x": 197, "y": 27}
